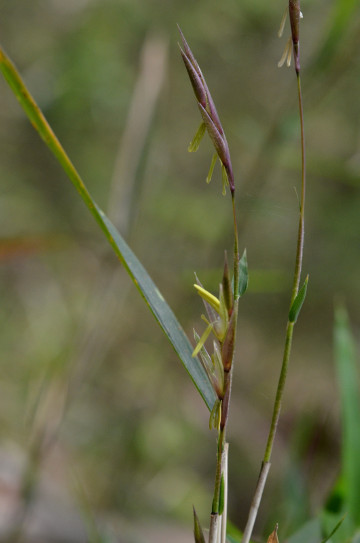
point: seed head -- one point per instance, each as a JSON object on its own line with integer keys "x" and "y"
{"x": 293, "y": 42}
{"x": 210, "y": 117}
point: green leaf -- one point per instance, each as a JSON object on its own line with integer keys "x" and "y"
{"x": 198, "y": 533}
{"x": 334, "y": 530}
{"x": 155, "y": 301}
{"x": 298, "y": 302}
{"x": 330, "y": 524}
{"x": 243, "y": 274}
{"x": 348, "y": 380}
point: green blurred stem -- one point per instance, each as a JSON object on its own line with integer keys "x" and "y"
{"x": 265, "y": 467}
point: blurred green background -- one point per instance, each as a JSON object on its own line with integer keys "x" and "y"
{"x": 98, "y": 418}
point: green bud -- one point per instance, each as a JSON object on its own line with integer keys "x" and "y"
{"x": 298, "y": 302}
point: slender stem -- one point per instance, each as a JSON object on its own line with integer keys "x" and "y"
{"x": 215, "y": 513}
{"x": 219, "y": 471}
{"x": 214, "y": 527}
{"x": 265, "y": 467}
{"x": 224, "y": 514}
{"x": 256, "y": 502}
{"x": 214, "y": 532}
{"x": 279, "y": 392}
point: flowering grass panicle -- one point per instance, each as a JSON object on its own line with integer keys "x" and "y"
{"x": 210, "y": 118}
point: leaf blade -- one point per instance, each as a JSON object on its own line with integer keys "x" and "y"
{"x": 347, "y": 377}
{"x": 152, "y": 296}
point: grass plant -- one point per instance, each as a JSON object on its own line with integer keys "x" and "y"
{"x": 210, "y": 364}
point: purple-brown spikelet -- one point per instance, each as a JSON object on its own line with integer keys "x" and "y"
{"x": 208, "y": 110}
{"x": 295, "y": 14}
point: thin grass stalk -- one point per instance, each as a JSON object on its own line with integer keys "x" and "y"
{"x": 215, "y": 516}
{"x": 265, "y": 467}
{"x": 217, "y": 530}
{"x": 224, "y": 515}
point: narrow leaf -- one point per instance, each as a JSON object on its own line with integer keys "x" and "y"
{"x": 348, "y": 379}
{"x": 198, "y": 533}
{"x": 338, "y": 527}
{"x": 335, "y": 529}
{"x": 298, "y": 302}
{"x": 155, "y": 301}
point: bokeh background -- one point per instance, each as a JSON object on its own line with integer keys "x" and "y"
{"x": 101, "y": 429}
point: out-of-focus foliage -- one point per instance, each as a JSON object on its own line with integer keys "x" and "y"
{"x": 72, "y": 327}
